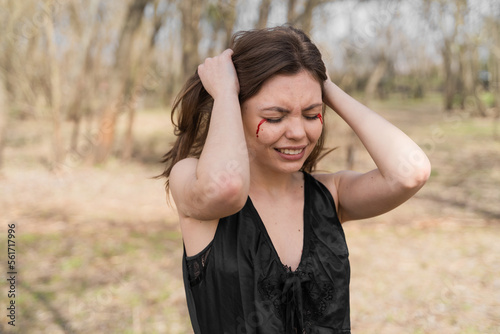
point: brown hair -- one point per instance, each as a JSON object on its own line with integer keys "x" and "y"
{"x": 258, "y": 55}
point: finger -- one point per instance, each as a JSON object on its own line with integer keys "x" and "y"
{"x": 228, "y": 52}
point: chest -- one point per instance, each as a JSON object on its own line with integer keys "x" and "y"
{"x": 284, "y": 224}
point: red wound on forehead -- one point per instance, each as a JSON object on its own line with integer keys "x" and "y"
{"x": 258, "y": 127}
{"x": 320, "y": 118}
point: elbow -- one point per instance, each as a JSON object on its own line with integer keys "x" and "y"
{"x": 417, "y": 175}
{"x": 234, "y": 193}
{"x": 237, "y": 193}
{"x": 420, "y": 178}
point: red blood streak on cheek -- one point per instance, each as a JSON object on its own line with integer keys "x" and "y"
{"x": 320, "y": 118}
{"x": 258, "y": 127}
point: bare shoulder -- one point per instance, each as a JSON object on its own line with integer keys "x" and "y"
{"x": 329, "y": 180}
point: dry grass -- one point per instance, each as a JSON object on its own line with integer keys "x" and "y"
{"x": 99, "y": 251}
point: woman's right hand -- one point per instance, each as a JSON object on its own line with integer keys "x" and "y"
{"x": 218, "y": 75}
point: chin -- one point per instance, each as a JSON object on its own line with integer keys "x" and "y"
{"x": 291, "y": 167}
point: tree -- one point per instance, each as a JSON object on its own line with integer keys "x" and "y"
{"x": 264, "y": 9}
{"x": 19, "y": 71}
{"x": 4, "y": 109}
{"x": 491, "y": 35}
{"x": 55, "y": 89}
{"x": 459, "y": 41}
{"x": 138, "y": 87}
{"x": 221, "y": 17}
{"x": 120, "y": 81}
{"x": 86, "y": 31}
{"x": 304, "y": 19}
{"x": 190, "y": 34}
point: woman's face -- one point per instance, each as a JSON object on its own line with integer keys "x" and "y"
{"x": 281, "y": 122}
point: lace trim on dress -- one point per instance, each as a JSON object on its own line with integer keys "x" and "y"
{"x": 196, "y": 265}
{"x": 298, "y": 298}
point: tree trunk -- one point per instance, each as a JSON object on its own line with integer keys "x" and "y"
{"x": 106, "y": 134}
{"x": 495, "y": 78}
{"x": 480, "y": 107}
{"x": 449, "y": 77}
{"x": 375, "y": 78}
{"x": 303, "y": 20}
{"x": 464, "y": 85}
{"x": 476, "y": 85}
{"x": 84, "y": 66}
{"x": 290, "y": 17}
{"x": 128, "y": 144}
{"x": 191, "y": 15}
{"x": 4, "y": 111}
{"x": 119, "y": 81}
{"x": 468, "y": 83}
{"x": 217, "y": 20}
{"x": 264, "y": 8}
{"x": 493, "y": 29}
{"x": 138, "y": 85}
{"x": 55, "y": 94}
{"x": 307, "y": 15}
{"x": 75, "y": 134}
{"x": 229, "y": 21}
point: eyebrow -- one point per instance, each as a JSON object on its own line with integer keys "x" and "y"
{"x": 286, "y": 111}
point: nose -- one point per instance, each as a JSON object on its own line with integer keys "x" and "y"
{"x": 295, "y": 129}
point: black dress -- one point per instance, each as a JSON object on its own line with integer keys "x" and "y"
{"x": 238, "y": 284}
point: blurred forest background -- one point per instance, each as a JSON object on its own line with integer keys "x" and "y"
{"x": 85, "y": 94}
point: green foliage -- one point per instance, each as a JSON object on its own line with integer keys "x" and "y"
{"x": 488, "y": 98}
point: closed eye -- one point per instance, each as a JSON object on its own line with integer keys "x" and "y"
{"x": 273, "y": 120}
{"x": 312, "y": 117}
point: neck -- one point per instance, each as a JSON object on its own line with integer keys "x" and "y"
{"x": 273, "y": 184}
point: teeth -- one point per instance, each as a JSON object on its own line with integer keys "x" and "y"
{"x": 290, "y": 152}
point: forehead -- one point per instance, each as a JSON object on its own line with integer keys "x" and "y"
{"x": 288, "y": 91}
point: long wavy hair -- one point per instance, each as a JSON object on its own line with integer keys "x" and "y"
{"x": 258, "y": 56}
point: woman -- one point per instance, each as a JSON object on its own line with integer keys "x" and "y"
{"x": 264, "y": 248}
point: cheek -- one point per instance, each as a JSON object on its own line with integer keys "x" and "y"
{"x": 315, "y": 130}
{"x": 267, "y": 133}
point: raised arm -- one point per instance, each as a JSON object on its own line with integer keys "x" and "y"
{"x": 402, "y": 167}
{"x": 216, "y": 185}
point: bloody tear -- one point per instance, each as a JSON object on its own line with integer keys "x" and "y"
{"x": 258, "y": 127}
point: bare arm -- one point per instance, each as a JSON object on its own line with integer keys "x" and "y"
{"x": 216, "y": 184}
{"x": 402, "y": 167}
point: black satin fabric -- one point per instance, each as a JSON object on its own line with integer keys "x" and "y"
{"x": 244, "y": 288}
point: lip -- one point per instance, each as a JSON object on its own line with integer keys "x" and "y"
{"x": 292, "y": 157}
